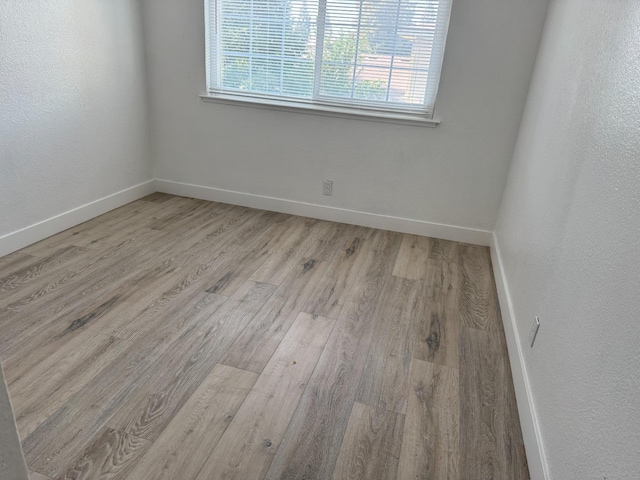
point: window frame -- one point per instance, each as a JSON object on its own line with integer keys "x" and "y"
{"x": 318, "y": 104}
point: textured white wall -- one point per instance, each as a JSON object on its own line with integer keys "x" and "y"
{"x": 73, "y": 124}
{"x": 569, "y": 234}
{"x": 12, "y": 466}
{"x": 453, "y": 174}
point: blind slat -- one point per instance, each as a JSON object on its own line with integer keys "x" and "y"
{"x": 370, "y": 54}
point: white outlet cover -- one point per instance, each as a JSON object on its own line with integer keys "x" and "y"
{"x": 534, "y": 330}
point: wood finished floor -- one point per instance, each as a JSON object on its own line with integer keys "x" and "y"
{"x": 181, "y": 339}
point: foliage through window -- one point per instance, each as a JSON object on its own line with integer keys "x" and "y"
{"x": 368, "y": 54}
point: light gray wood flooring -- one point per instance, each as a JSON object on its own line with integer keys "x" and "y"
{"x": 180, "y": 339}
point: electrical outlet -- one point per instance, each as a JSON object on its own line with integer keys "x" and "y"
{"x": 327, "y": 187}
{"x": 534, "y": 330}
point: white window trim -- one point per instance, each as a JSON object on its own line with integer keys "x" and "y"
{"x": 310, "y": 108}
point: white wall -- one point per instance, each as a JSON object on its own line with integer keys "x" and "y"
{"x": 73, "y": 125}
{"x": 569, "y": 236}
{"x": 12, "y": 464}
{"x": 453, "y": 174}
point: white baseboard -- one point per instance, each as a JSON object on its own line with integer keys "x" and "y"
{"x": 526, "y": 409}
{"x": 34, "y": 233}
{"x": 323, "y": 212}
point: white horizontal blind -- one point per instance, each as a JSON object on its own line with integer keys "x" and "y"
{"x": 367, "y": 54}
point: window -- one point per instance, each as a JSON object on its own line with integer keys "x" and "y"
{"x": 383, "y": 55}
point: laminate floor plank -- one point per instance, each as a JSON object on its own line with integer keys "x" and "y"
{"x": 236, "y": 269}
{"x": 334, "y": 288}
{"x": 134, "y": 228}
{"x": 77, "y": 239}
{"x": 297, "y": 241}
{"x": 49, "y": 245}
{"x": 478, "y": 302}
{"x": 192, "y": 215}
{"x": 312, "y": 442}
{"x": 311, "y": 445}
{"x": 329, "y": 245}
{"x": 385, "y": 379}
{"x": 108, "y": 391}
{"x": 257, "y": 342}
{"x": 97, "y": 313}
{"x": 478, "y": 382}
{"x": 247, "y": 447}
{"x": 54, "y": 445}
{"x": 43, "y": 294}
{"x": 430, "y": 443}
{"x": 195, "y": 276}
{"x": 412, "y": 257}
{"x": 37, "y": 476}
{"x": 140, "y": 208}
{"x": 324, "y": 246}
{"x": 226, "y": 236}
{"x": 116, "y": 265}
{"x": 111, "y": 455}
{"x": 444, "y": 250}
{"x": 185, "y": 445}
{"x": 42, "y": 390}
{"x": 175, "y": 338}
{"x": 490, "y": 440}
{"x": 378, "y": 266}
{"x": 230, "y": 245}
{"x": 187, "y": 361}
{"x": 15, "y": 261}
{"x": 15, "y": 283}
{"x": 371, "y": 446}
{"x": 15, "y": 328}
{"x": 437, "y": 322}
{"x": 180, "y": 290}
{"x": 85, "y": 295}
{"x": 253, "y": 224}
{"x": 221, "y": 232}
{"x": 510, "y": 449}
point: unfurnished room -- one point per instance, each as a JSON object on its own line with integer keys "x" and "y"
{"x": 320, "y": 239}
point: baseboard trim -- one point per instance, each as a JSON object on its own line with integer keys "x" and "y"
{"x": 34, "y": 233}
{"x": 323, "y": 212}
{"x": 528, "y": 420}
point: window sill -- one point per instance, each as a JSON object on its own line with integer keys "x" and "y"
{"x": 323, "y": 110}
